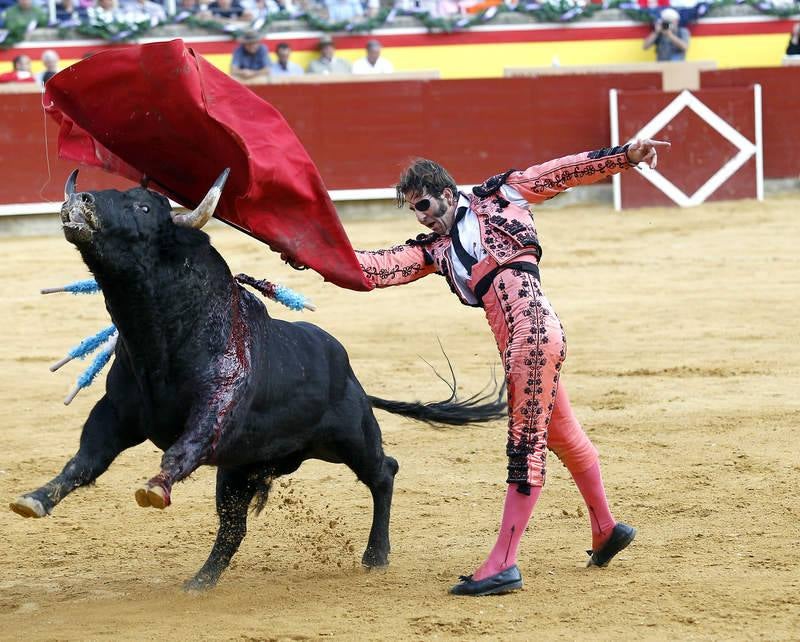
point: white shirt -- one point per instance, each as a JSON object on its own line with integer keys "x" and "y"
{"x": 381, "y": 66}
{"x": 469, "y": 233}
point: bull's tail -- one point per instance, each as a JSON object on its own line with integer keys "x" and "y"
{"x": 487, "y": 405}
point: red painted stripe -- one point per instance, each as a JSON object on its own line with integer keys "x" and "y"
{"x": 555, "y": 33}
{"x": 739, "y": 29}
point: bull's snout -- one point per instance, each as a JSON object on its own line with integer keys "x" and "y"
{"x": 78, "y": 216}
{"x": 78, "y": 208}
{"x": 82, "y": 201}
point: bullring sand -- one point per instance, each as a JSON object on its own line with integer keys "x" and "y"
{"x": 683, "y": 366}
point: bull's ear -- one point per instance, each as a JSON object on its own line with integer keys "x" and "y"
{"x": 200, "y": 215}
{"x": 70, "y": 185}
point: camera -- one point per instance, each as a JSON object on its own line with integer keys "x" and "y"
{"x": 665, "y": 26}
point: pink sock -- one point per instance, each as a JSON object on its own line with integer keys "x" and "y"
{"x": 516, "y": 513}
{"x": 590, "y": 484}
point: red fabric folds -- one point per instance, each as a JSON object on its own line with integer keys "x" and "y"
{"x": 163, "y": 112}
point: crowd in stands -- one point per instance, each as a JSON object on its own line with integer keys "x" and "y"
{"x": 252, "y": 61}
{"x": 70, "y": 13}
{"x": 21, "y": 69}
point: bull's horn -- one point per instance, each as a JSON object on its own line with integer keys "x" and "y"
{"x": 69, "y": 186}
{"x": 200, "y": 215}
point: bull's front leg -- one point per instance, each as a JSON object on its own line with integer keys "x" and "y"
{"x": 105, "y": 435}
{"x": 235, "y": 490}
{"x": 194, "y": 447}
{"x": 220, "y": 402}
{"x": 208, "y": 422}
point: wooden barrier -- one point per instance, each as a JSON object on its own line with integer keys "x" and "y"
{"x": 780, "y": 89}
{"x": 717, "y": 145}
{"x": 310, "y": 79}
{"x": 675, "y": 76}
{"x": 361, "y": 135}
{"x": 20, "y": 88}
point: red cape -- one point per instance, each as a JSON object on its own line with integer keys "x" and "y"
{"x": 162, "y": 112}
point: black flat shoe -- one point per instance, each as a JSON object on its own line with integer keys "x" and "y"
{"x": 621, "y": 536}
{"x": 503, "y": 582}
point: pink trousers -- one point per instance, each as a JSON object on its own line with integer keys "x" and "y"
{"x": 533, "y": 346}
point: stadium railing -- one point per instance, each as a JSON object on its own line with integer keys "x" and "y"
{"x": 675, "y": 76}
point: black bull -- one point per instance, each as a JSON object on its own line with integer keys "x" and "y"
{"x": 204, "y": 373}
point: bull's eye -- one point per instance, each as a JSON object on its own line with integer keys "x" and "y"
{"x": 143, "y": 208}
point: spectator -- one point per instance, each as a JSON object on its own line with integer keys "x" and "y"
{"x": 343, "y": 10}
{"x": 21, "y": 71}
{"x": 21, "y": 16}
{"x": 328, "y": 63}
{"x": 50, "y": 61}
{"x": 69, "y": 13}
{"x": 187, "y": 8}
{"x": 261, "y": 9}
{"x": 373, "y": 62}
{"x": 229, "y": 10}
{"x": 103, "y": 12}
{"x": 283, "y": 66}
{"x": 434, "y": 8}
{"x": 671, "y": 40}
{"x": 142, "y": 10}
{"x": 251, "y": 58}
{"x": 794, "y": 42}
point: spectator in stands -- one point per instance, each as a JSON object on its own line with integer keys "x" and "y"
{"x": 251, "y": 58}
{"x": 21, "y": 71}
{"x": 261, "y": 9}
{"x": 328, "y": 63}
{"x": 671, "y": 40}
{"x": 282, "y": 65}
{"x": 194, "y": 8}
{"x": 372, "y": 8}
{"x": 373, "y": 62}
{"x": 343, "y": 10}
{"x": 228, "y": 10}
{"x": 50, "y": 61}
{"x": 435, "y": 8}
{"x": 69, "y": 13}
{"x": 142, "y": 10}
{"x": 20, "y": 17}
{"x": 794, "y": 42}
{"x": 104, "y": 12}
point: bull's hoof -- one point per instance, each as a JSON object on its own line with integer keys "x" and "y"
{"x": 141, "y": 497}
{"x": 154, "y": 496}
{"x": 199, "y": 583}
{"x": 28, "y": 507}
{"x": 375, "y": 559}
{"x": 158, "y": 497}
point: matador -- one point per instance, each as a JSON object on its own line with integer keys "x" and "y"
{"x": 486, "y": 246}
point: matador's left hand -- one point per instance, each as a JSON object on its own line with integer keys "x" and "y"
{"x": 645, "y": 151}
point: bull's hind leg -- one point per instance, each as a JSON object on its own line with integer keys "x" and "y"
{"x": 104, "y": 437}
{"x": 381, "y": 485}
{"x": 235, "y": 490}
{"x": 360, "y": 448}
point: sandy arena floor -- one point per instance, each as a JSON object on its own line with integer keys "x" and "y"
{"x": 683, "y": 366}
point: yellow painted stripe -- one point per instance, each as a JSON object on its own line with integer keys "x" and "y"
{"x": 489, "y": 60}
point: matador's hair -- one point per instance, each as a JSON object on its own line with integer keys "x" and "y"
{"x": 423, "y": 175}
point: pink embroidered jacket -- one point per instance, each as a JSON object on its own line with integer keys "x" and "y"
{"x": 507, "y": 232}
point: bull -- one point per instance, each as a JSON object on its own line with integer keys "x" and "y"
{"x": 203, "y": 372}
